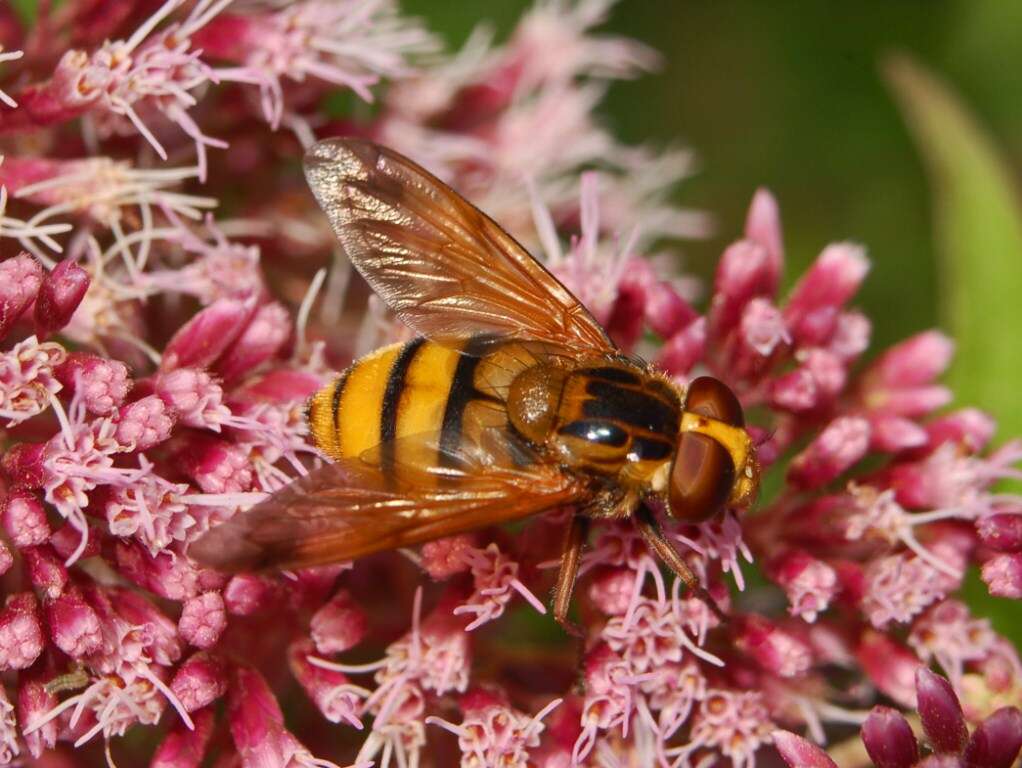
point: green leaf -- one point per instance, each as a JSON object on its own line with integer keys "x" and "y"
{"x": 978, "y": 228}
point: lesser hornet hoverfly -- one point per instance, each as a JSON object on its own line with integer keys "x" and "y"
{"x": 511, "y": 401}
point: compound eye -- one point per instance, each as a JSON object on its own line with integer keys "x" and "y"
{"x": 711, "y": 397}
{"x": 703, "y": 473}
{"x": 701, "y": 478}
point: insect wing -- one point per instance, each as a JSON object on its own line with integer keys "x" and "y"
{"x": 352, "y": 508}
{"x": 442, "y": 265}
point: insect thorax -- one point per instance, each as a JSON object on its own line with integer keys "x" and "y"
{"x": 602, "y": 417}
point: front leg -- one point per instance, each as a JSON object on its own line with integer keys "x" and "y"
{"x": 665, "y": 550}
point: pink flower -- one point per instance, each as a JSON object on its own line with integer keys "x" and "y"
{"x": 257, "y": 726}
{"x": 492, "y": 733}
{"x": 203, "y": 619}
{"x": 28, "y": 378}
{"x": 156, "y": 362}
{"x": 21, "y": 632}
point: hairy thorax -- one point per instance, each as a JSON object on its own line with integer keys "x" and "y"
{"x": 604, "y": 417}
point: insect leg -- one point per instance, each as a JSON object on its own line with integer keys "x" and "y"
{"x": 665, "y": 550}
{"x": 571, "y": 555}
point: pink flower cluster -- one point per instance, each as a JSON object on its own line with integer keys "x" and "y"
{"x": 156, "y": 357}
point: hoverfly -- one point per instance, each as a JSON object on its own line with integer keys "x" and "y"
{"x": 511, "y": 401}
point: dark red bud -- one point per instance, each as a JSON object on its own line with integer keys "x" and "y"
{"x": 996, "y": 741}
{"x": 59, "y": 296}
{"x": 940, "y": 712}
{"x": 889, "y": 739}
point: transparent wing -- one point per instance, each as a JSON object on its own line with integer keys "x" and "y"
{"x": 352, "y": 507}
{"x": 442, "y": 265}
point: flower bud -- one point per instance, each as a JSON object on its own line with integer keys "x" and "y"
{"x": 164, "y": 645}
{"x": 809, "y": 583}
{"x": 795, "y": 391}
{"x": 914, "y": 362}
{"x": 890, "y": 666}
{"x": 746, "y": 271}
{"x": 763, "y": 226}
{"x": 61, "y": 292}
{"x": 445, "y": 557}
{"x": 66, "y": 540}
{"x": 624, "y": 324}
{"x": 144, "y": 423}
{"x": 248, "y": 593}
{"x": 762, "y": 331}
{"x": 1001, "y": 532}
{"x": 889, "y": 739}
{"x": 330, "y": 690}
{"x": 203, "y": 620}
{"x": 840, "y": 445}
{"x": 74, "y": 624}
{"x": 893, "y": 434}
{"x": 101, "y": 384}
{"x": 24, "y": 519}
{"x": 199, "y": 681}
{"x": 684, "y": 349}
{"x": 281, "y": 385}
{"x": 216, "y": 466}
{"x": 969, "y": 427}
{"x": 263, "y": 338}
{"x": 33, "y": 704}
{"x": 204, "y": 338}
{"x": 339, "y": 625}
{"x": 185, "y": 747}
{"x": 612, "y": 592}
{"x": 46, "y": 570}
{"x": 940, "y": 712}
{"x": 1003, "y": 575}
{"x": 257, "y": 724}
{"x": 20, "y": 278}
{"x": 666, "y": 311}
{"x": 996, "y": 741}
{"x": 777, "y": 651}
{"x": 815, "y": 302}
{"x": 175, "y": 578}
{"x": 801, "y": 753}
{"x": 23, "y": 464}
{"x": 21, "y": 632}
{"x": 195, "y": 398}
{"x": 851, "y": 336}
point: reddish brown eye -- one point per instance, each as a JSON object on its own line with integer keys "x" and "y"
{"x": 709, "y": 397}
{"x": 701, "y": 478}
{"x": 703, "y": 472}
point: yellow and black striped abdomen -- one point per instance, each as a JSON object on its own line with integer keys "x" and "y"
{"x": 415, "y": 388}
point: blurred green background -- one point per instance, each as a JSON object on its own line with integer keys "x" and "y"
{"x": 893, "y": 123}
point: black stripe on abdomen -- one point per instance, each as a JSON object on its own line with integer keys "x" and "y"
{"x": 630, "y": 406}
{"x": 461, "y": 393}
{"x": 392, "y": 401}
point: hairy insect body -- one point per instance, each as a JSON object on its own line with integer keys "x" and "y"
{"x": 514, "y": 400}
{"x": 416, "y": 388}
{"x": 607, "y": 419}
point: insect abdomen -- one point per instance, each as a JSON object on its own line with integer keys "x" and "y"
{"x": 415, "y": 388}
